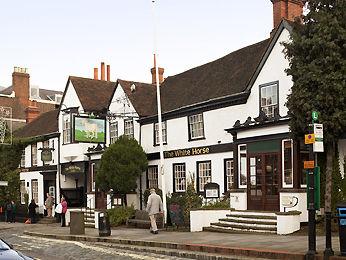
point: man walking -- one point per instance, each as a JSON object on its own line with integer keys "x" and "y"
{"x": 154, "y": 206}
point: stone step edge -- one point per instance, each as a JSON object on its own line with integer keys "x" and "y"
{"x": 236, "y": 231}
{"x": 246, "y": 221}
{"x": 251, "y": 216}
{"x": 223, "y": 250}
{"x": 243, "y": 227}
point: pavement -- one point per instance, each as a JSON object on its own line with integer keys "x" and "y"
{"x": 211, "y": 243}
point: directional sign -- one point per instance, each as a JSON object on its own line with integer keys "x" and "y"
{"x": 309, "y": 138}
{"x": 314, "y": 115}
{"x": 3, "y": 183}
{"x": 309, "y": 164}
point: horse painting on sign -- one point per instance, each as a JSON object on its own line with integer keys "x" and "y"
{"x": 5, "y": 125}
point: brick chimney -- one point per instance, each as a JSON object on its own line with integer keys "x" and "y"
{"x": 102, "y": 71}
{"x": 153, "y": 73}
{"x": 96, "y": 73}
{"x": 286, "y": 9}
{"x": 21, "y": 84}
{"x": 32, "y": 111}
{"x": 108, "y": 72}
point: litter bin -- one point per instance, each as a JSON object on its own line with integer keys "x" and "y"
{"x": 341, "y": 209}
{"x": 104, "y": 226}
{"x": 77, "y": 226}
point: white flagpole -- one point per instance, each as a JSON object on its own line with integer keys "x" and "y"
{"x": 158, "y": 97}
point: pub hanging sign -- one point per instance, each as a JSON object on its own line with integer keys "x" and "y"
{"x": 73, "y": 168}
{"x": 46, "y": 154}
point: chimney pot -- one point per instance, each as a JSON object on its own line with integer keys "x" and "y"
{"x": 102, "y": 71}
{"x": 286, "y": 9}
{"x": 108, "y": 72}
{"x": 96, "y": 73}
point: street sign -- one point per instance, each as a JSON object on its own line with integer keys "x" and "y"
{"x": 314, "y": 115}
{"x": 318, "y": 144}
{"x": 309, "y": 138}
{"x": 3, "y": 183}
{"x": 309, "y": 164}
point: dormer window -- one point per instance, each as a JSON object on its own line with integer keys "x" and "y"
{"x": 128, "y": 128}
{"x": 269, "y": 99}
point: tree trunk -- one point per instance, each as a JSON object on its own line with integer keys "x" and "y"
{"x": 329, "y": 173}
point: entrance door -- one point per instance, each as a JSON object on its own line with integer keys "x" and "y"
{"x": 101, "y": 199}
{"x": 263, "y": 181}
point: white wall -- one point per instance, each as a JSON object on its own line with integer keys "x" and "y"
{"x": 55, "y": 153}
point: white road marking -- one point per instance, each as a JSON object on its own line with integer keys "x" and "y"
{"x": 98, "y": 249}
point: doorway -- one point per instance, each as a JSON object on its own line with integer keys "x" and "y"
{"x": 263, "y": 181}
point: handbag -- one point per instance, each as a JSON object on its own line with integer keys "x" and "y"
{"x": 58, "y": 208}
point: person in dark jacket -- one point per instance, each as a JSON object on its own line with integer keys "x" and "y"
{"x": 32, "y": 211}
{"x": 9, "y": 212}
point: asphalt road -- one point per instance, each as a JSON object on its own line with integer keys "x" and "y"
{"x": 42, "y": 248}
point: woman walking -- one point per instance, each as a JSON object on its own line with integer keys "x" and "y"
{"x": 63, "y": 212}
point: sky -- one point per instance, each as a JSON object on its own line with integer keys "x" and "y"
{"x": 55, "y": 39}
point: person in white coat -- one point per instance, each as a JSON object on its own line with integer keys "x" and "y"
{"x": 154, "y": 206}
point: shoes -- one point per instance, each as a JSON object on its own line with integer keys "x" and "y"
{"x": 154, "y": 232}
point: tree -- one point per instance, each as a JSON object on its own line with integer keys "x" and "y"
{"x": 121, "y": 165}
{"x": 318, "y": 67}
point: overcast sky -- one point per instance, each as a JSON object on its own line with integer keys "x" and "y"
{"x": 55, "y": 39}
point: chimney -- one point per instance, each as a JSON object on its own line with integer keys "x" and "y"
{"x": 153, "y": 73}
{"x": 102, "y": 71}
{"x": 286, "y": 9}
{"x": 21, "y": 84}
{"x": 96, "y": 73}
{"x": 32, "y": 111}
{"x": 108, "y": 72}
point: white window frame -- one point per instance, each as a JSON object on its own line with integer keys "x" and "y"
{"x": 113, "y": 132}
{"x": 129, "y": 128}
{"x": 164, "y": 133}
{"x": 93, "y": 179}
{"x": 229, "y": 172}
{"x": 34, "y": 190}
{"x": 66, "y": 129}
{"x": 22, "y": 159}
{"x": 196, "y": 126}
{"x": 271, "y": 102}
{"x": 22, "y": 191}
{"x": 34, "y": 154}
{"x": 179, "y": 175}
{"x": 152, "y": 175}
{"x": 204, "y": 174}
{"x": 240, "y": 169}
{"x": 284, "y": 184}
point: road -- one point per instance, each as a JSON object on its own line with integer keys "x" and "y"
{"x": 43, "y": 248}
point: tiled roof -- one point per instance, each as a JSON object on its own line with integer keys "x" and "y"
{"x": 46, "y": 123}
{"x": 45, "y": 94}
{"x": 143, "y": 97}
{"x": 223, "y": 77}
{"x": 95, "y": 95}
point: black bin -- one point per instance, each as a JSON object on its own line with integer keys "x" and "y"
{"x": 341, "y": 209}
{"x": 104, "y": 225}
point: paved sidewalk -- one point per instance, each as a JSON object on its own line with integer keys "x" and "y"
{"x": 255, "y": 245}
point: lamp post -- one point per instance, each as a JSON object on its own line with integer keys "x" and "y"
{"x": 159, "y": 117}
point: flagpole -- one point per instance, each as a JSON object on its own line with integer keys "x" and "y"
{"x": 159, "y": 116}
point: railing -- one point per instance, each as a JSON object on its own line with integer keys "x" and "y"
{"x": 87, "y": 209}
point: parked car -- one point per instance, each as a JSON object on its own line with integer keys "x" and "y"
{"x": 8, "y": 253}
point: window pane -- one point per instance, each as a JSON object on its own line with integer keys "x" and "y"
{"x": 229, "y": 174}
{"x": 204, "y": 174}
{"x": 179, "y": 177}
{"x": 269, "y": 100}
{"x": 196, "y": 126}
{"x": 287, "y": 163}
{"x": 153, "y": 177}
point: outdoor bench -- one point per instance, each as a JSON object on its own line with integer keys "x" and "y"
{"x": 141, "y": 220}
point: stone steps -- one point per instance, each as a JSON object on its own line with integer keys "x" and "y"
{"x": 246, "y": 221}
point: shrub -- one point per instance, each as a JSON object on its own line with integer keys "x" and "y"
{"x": 217, "y": 204}
{"x": 119, "y": 215}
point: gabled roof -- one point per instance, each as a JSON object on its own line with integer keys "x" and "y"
{"x": 226, "y": 76}
{"x": 94, "y": 95}
{"x": 44, "y": 124}
{"x": 142, "y": 97}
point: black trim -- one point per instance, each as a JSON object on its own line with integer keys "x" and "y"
{"x": 197, "y": 175}
{"x": 174, "y": 164}
{"x": 217, "y": 148}
{"x": 277, "y": 96}
{"x": 41, "y": 168}
{"x": 221, "y": 102}
{"x": 189, "y": 130}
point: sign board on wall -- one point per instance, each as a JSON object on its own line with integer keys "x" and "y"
{"x": 212, "y": 190}
{"x": 73, "y": 168}
{"x": 89, "y": 130}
